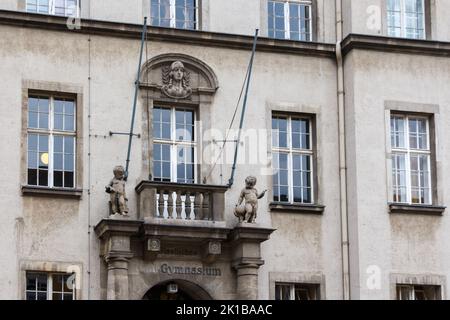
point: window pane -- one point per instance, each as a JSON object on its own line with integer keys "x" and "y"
{"x": 57, "y": 282}
{"x": 68, "y": 179}
{"x": 68, "y": 281}
{"x": 68, "y": 163}
{"x": 33, "y": 119}
{"x": 58, "y": 179}
{"x": 279, "y": 132}
{"x": 41, "y": 281}
{"x": 30, "y": 296}
{"x": 397, "y": 132}
{"x": 31, "y": 282}
{"x": 282, "y": 292}
{"x": 57, "y": 296}
{"x": 399, "y": 177}
{"x": 58, "y": 161}
{"x": 32, "y": 177}
{"x": 69, "y": 143}
{"x": 59, "y": 122}
{"x": 161, "y": 123}
{"x": 58, "y": 144}
{"x": 42, "y": 296}
{"x": 166, "y": 170}
{"x": 32, "y": 142}
{"x": 412, "y": 26}
{"x": 69, "y": 108}
{"x": 43, "y": 177}
{"x": 69, "y": 124}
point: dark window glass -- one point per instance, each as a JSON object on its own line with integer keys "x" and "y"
{"x": 43, "y": 177}
{"x": 68, "y": 179}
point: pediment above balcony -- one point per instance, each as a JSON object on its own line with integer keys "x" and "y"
{"x": 196, "y": 81}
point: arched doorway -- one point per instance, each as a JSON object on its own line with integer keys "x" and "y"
{"x": 186, "y": 290}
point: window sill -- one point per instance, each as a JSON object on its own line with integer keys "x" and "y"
{"x": 52, "y": 192}
{"x": 416, "y": 209}
{"x": 297, "y": 208}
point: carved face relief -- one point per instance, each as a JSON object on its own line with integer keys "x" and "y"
{"x": 176, "y": 81}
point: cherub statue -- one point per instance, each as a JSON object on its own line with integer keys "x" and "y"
{"x": 116, "y": 189}
{"x": 176, "y": 81}
{"x": 250, "y": 194}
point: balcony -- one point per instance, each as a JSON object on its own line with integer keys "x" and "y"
{"x": 167, "y": 201}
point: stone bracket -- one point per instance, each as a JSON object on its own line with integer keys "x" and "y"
{"x": 211, "y": 251}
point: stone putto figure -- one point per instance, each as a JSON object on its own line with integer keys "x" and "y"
{"x": 116, "y": 190}
{"x": 176, "y": 81}
{"x": 248, "y": 210}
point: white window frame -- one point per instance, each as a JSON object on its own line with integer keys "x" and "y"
{"x": 290, "y": 151}
{"x": 50, "y": 283}
{"x": 403, "y": 19}
{"x": 292, "y": 289}
{"x": 174, "y": 143}
{"x": 52, "y": 8}
{"x": 412, "y": 291}
{"x": 172, "y": 15}
{"x": 51, "y": 132}
{"x": 408, "y": 151}
{"x": 287, "y": 25}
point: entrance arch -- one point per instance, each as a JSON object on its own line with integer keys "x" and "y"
{"x": 186, "y": 291}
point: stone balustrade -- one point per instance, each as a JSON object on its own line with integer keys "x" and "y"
{"x": 167, "y": 200}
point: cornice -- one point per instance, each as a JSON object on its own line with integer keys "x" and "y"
{"x": 395, "y": 45}
{"x": 133, "y": 31}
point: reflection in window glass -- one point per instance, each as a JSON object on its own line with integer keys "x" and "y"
{"x": 406, "y": 18}
{"x": 51, "y": 144}
{"x": 292, "y": 159}
{"x": 418, "y": 292}
{"x": 174, "y": 145}
{"x": 66, "y": 8}
{"x": 48, "y": 286}
{"x": 290, "y": 20}
{"x": 411, "y": 174}
{"x": 179, "y": 14}
{"x": 297, "y": 291}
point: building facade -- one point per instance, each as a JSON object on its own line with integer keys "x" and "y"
{"x": 345, "y": 126}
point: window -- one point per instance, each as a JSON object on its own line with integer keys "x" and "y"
{"x": 50, "y": 286}
{"x": 406, "y": 18}
{"x": 67, "y": 8}
{"x": 174, "y": 145}
{"x": 290, "y": 20}
{"x": 180, "y": 14}
{"x": 51, "y": 141}
{"x": 418, "y": 292}
{"x": 292, "y": 159}
{"x": 299, "y": 291}
{"x": 411, "y": 156}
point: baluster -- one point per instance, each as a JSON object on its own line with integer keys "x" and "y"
{"x": 178, "y": 203}
{"x": 187, "y": 206}
{"x": 160, "y": 213}
{"x": 170, "y": 205}
{"x": 206, "y": 207}
{"x": 198, "y": 206}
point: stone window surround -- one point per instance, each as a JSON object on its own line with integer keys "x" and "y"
{"x": 200, "y": 101}
{"x": 416, "y": 279}
{"x": 297, "y": 278}
{"x": 429, "y": 18}
{"x": 49, "y": 267}
{"x": 315, "y": 115}
{"x": 52, "y": 88}
{"x": 432, "y": 112}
